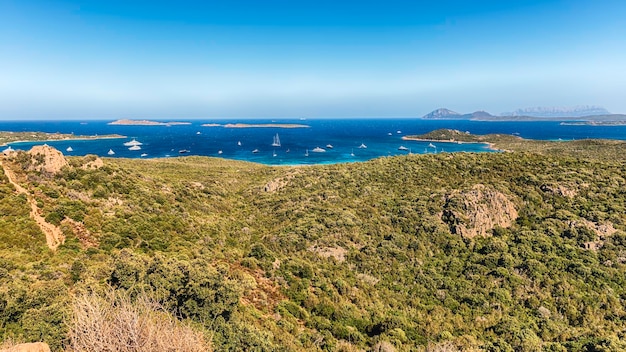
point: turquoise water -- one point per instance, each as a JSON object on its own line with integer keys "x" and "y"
{"x": 382, "y": 137}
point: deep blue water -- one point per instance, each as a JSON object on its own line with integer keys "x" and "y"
{"x": 381, "y": 136}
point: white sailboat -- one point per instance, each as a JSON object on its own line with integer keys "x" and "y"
{"x": 306, "y": 153}
{"x": 69, "y": 149}
{"x": 274, "y": 153}
{"x": 111, "y": 152}
{"x": 362, "y": 146}
{"x": 352, "y": 152}
{"x": 239, "y": 143}
{"x": 276, "y": 142}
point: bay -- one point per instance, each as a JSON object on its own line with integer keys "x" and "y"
{"x": 381, "y": 136}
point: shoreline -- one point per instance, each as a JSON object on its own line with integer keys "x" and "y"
{"x": 489, "y": 145}
{"x": 80, "y": 138}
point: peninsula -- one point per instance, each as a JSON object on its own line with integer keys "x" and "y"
{"x": 146, "y": 123}
{"x": 7, "y": 137}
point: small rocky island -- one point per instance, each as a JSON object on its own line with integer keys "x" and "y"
{"x": 265, "y": 125}
{"x": 146, "y": 123}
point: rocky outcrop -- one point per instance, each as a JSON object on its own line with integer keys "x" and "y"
{"x": 46, "y": 159}
{"x": 339, "y": 253}
{"x": 96, "y": 163}
{"x": 477, "y": 211}
{"x": 559, "y": 190}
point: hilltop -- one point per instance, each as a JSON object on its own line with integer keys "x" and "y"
{"x": 522, "y": 250}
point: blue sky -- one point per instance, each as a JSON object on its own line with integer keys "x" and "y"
{"x": 201, "y": 59}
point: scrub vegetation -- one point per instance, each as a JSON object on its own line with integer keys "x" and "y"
{"x": 511, "y": 251}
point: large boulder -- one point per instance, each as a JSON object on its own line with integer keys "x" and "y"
{"x": 477, "y": 211}
{"x": 47, "y": 159}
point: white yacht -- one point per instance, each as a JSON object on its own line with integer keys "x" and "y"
{"x": 219, "y": 152}
{"x": 135, "y": 147}
{"x": 239, "y": 143}
{"x": 329, "y": 146}
{"x": 144, "y": 155}
{"x": 132, "y": 143}
{"x": 69, "y": 149}
{"x": 255, "y": 151}
{"x": 318, "y": 150}
{"x": 430, "y": 145}
{"x": 403, "y": 148}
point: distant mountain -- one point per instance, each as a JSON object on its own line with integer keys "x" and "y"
{"x": 479, "y": 115}
{"x": 442, "y": 113}
{"x": 575, "y": 111}
{"x": 446, "y": 114}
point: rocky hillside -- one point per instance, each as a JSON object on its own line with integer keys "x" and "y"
{"x": 494, "y": 251}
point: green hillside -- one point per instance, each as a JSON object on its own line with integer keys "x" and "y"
{"x": 519, "y": 251}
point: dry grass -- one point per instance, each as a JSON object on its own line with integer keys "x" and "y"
{"x": 115, "y": 323}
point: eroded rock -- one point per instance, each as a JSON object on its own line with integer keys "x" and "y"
{"x": 46, "y": 159}
{"x": 475, "y": 212}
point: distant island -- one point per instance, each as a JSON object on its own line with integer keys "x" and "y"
{"x": 211, "y": 125}
{"x": 574, "y": 111}
{"x": 447, "y": 114}
{"x": 146, "y": 123}
{"x": 594, "y": 123}
{"x": 265, "y": 125}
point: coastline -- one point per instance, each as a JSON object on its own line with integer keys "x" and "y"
{"x": 489, "y": 145}
{"x": 79, "y": 138}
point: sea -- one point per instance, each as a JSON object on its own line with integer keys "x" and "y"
{"x": 324, "y": 141}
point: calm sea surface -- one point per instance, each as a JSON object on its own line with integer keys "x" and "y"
{"x": 382, "y": 137}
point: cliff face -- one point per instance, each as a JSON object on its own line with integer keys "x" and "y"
{"x": 477, "y": 211}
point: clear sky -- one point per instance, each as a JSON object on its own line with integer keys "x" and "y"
{"x": 319, "y": 58}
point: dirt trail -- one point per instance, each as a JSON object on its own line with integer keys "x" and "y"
{"x": 54, "y": 235}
